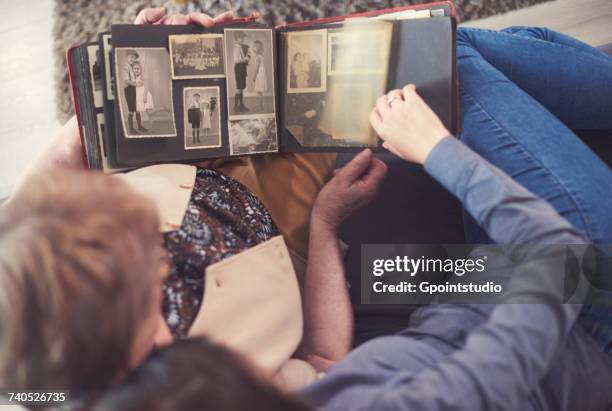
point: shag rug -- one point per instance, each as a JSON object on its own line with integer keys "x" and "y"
{"x": 79, "y": 21}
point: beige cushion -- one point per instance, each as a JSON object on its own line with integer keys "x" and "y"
{"x": 252, "y": 305}
{"x": 169, "y": 186}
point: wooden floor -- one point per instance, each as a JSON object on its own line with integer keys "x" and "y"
{"x": 27, "y": 113}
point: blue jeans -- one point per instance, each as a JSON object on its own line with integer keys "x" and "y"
{"x": 523, "y": 90}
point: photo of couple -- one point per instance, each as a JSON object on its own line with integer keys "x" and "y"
{"x": 145, "y": 93}
{"x": 307, "y": 60}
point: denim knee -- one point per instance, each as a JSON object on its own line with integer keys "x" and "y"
{"x": 465, "y": 41}
{"x": 542, "y": 33}
{"x": 464, "y": 36}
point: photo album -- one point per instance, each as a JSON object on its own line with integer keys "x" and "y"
{"x": 149, "y": 94}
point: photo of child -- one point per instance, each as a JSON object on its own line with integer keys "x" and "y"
{"x": 260, "y": 83}
{"x": 202, "y": 117}
{"x": 250, "y": 72}
{"x": 144, "y": 90}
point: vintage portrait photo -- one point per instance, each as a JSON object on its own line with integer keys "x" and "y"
{"x": 94, "y": 58}
{"x": 307, "y": 61}
{"x": 250, "y": 136}
{"x": 197, "y": 55}
{"x": 303, "y": 112}
{"x": 101, "y": 142}
{"x": 359, "y": 49}
{"x": 202, "y": 117}
{"x": 144, "y": 92}
{"x": 250, "y": 72}
{"x": 107, "y": 50}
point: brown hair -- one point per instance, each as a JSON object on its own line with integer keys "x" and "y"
{"x": 79, "y": 255}
{"x": 194, "y": 374}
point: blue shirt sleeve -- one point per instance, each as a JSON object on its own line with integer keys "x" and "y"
{"x": 503, "y": 360}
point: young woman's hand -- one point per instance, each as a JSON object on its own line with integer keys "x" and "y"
{"x": 352, "y": 187}
{"x": 409, "y": 128}
{"x": 158, "y": 16}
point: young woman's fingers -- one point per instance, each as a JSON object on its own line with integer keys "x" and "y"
{"x": 225, "y": 17}
{"x": 356, "y": 167}
{"x": 382, "y": 105}
{"x": 201, "y": 19}
{"x": 395, "y": 95}
{"x": 376, "y": 121}
{"x": 409, "y": 92}
{"x": 150, "y": 16}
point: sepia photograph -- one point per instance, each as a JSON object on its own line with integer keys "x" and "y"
{"x": 250, "y": 72}
{"x": 202, "y": 117}
{"x": 351, "y": 128}
{"x": 197, "y": 56}
{"x": 251, "y": 136}
{"x": 359, "y": 48}
{"x": 307, "y": 61}
{"x": 95, "y": 74}
{"x": 144, "y": 91}
{"x": 107, "y": 50}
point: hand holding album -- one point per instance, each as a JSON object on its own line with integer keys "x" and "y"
{"x": 406, "y": 124}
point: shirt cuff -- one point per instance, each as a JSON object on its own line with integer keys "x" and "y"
{"x": 448, "y": 162}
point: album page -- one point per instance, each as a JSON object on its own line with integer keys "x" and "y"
{"x": 185, "y": 93}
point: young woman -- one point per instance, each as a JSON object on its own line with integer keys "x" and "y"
{"x": 299, "y": 68}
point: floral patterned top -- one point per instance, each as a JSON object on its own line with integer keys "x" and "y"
{"x": 222, "y": 219}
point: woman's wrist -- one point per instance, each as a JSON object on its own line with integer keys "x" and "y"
{"x": 319, "y": 222}
{"x": 430, "y": 144}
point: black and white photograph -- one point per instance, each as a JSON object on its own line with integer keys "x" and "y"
{"x": 107, "y": 50}
{"x": 197, "y": 56}
{"x": 307, "y": 61}
{"x": 144, "y": 91}
{"x": 202, "y": 117}
{"x": 252, "y": 136}
{"x": 250, "y": 72}
{"x": 103, "y": 151}
{"x": 303, "y": 113}
{"x": 355, "y": 51}
{"x": 95, "y": 74}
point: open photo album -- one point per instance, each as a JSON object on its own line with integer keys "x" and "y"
{"x": 148, "y": 94}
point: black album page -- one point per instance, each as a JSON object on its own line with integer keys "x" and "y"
{"x": 185, "y": 93}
